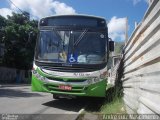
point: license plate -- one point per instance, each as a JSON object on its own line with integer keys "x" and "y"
{"x": 65, "y": 87}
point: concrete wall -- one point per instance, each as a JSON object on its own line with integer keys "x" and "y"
{"x": 141, "y": 77}
{"x": 10, "y": 75}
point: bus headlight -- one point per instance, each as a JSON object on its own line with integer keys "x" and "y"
{"x": 89, "y": 81}
{"x": 104, "y": 75}
{"x": 34, "y": 72}
{"x": 43, "y": 78}
{"x": 94, "y": 80}
{"x": 38, "y": 76}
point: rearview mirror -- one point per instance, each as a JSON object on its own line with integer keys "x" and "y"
{"x": 111, "y": 45}
{"x": 30, "y": 35}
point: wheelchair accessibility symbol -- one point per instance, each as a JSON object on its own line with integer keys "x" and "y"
{"x": 72, "y": 59}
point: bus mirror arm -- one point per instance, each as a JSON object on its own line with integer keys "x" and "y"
{"x": 30, "y": 35}
{"x": 111, "y": 45}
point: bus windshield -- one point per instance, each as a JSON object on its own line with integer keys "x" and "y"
{"x": 74, "y": 47}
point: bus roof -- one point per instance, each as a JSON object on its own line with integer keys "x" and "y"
{"x": 76, "y": 20}
{"x": 78, "y": 15}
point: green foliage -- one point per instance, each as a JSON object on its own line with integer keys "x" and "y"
{"x": 2, "y": 25}
{"x": 114, "y": 107}
{"x": 2, "y": 21}
{"x": 19, "y": 50}
{"x": 118, "y": 47}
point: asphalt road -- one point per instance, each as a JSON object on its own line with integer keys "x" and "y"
{"x": 21, "y": 100}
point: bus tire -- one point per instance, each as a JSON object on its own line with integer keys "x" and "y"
{"x": 55, "y": 96}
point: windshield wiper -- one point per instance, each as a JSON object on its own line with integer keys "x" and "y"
{"x": 57, "y": 34}
{"x": 80, "y": 37}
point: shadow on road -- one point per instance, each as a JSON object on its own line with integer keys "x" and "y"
{"x": 4, "y": 92}
{"x": 95, "y": 104}
{"x": 89, "y": 103}
{"x": 67, "y": 104}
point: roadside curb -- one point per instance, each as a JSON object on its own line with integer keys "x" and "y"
{"x": 14, "y": 85}
{"x": 79, "y": 113}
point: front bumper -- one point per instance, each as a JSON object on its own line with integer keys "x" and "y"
{"x": 80, "y": 89}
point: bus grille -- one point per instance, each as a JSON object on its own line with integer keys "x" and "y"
{"x": 69, "y": 80}
{"x": 56, "y": 88}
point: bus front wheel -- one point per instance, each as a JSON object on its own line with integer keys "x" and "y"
{"x": 55, "y": 96}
